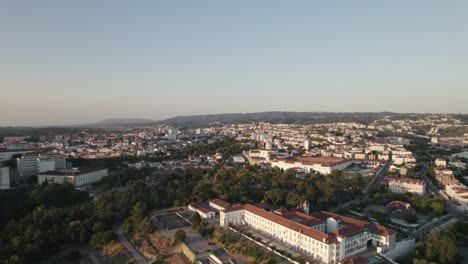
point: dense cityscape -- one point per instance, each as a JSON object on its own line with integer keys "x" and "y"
{"x": 233, "y": 132}
{"x": 389, "y": 190}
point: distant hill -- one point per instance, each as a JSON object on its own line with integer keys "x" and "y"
{"x": 124, "y": 121}
{"x": 275, "y": 117}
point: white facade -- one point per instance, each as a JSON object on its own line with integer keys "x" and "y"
{"x": 4, "y": 178}
{"x": 328, "y": 240}
{"x": 46, "y": 165}
{"x": 405, "y": 185}
{"x": 318, "y": 166}
{"x": 59, "y": 159}
{"x": 219, "y": 204}
{"x": 201, "y": 210}
{"x": 76, "y": 177}
{"x": 238, "y": 159}
{"x": 28, "y": 166}
{"x": 441, "y": 162}
{"x": 458, "y": 193}
{"x": 6, "y": 155}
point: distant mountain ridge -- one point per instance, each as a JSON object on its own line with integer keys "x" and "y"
{"x": 112, "y": 121}
{"x": 271, "y": 117}
{"x": 275, "y": 117}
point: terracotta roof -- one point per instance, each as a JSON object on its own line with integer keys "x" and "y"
{"x": 200, "y": 208}
{"x": 234, "y": 207}
{"x": 221, "y": 203}
{"x": 347, "y": 221}
{"x": 303, "y": 223}
{"x": 298, "y": 227}
{"x": 407, "y": 180}
{"x": 348, "y": 231}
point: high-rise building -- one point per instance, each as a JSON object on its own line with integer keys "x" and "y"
{"x": 4, "y": 178}
{"x": 32, "y": 164}
{"x": 59, "y": 159}
{"x": 28, "y": 165}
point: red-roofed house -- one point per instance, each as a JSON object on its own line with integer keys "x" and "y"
{"x": 458, "y": 193}
{"x": 407, "y": 185}
{"x": 201, "y": 210}
{"x": 219, "y": 204}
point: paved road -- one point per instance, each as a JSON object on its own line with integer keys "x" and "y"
{"x": 418, "y": 234}
{"x": 135, "y": 254}
{"x": 379, "y": 178}
{"x": 367, "y": 190}
{"x": 430, "y": 186}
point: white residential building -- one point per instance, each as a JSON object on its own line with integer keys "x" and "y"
{"x": 440, "y": 162}
{"x": 407, "y": 185}
{"x": 323, "y": 165}
{"x": 459, "y": 194}
{"x": 75, "y": 176}
{"x": 45, "y": 165}
{"x": 6, "y": 155}
{"x": 4, "y": 178}
{"x": 201, "y": 210}
{"x": 219, "y": 204}
{"x": 324, "y": 236}
{"x": 238, "y": 159}
{"x": 59, "y": 159}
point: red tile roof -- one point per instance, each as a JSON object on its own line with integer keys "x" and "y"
{"x": 298, "y": 227}
{"x": 221, "y": 203}
{"x": 407, "y": 180}
{"x": 200, "y": 208}
{"x": 303, "y": 223}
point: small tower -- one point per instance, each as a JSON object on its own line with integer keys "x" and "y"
{"x": 306, "y": 206}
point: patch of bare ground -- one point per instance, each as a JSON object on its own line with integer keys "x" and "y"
{"x": 155, "y": 245}
{"x": 115, "y": 252}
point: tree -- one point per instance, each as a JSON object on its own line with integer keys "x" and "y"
{"x": 438, "y": 208}
{"x": 411, "y": 218}
{"x": 84, "y": 236}
{"x": 274, "y": 195}
{"x": 196, "y": 220}
{"x": 180, "y": 235}
{"x": 143, "y": 228}
{"x": 101, "y": 238}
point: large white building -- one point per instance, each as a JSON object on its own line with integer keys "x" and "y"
{"x": 323, "y": 165}
{"x": 75, "y": 176}
{"x": 59, "y": 160}
{"x": 6, "y": 155}
{"x": 32, "y": 164}
{"x": 28, "y": 165}
{"x": 324, "y": 236}
{"x": 440, "y": 162}
{"x": 201, "y": 210}
{"x": 459, "y": 194}
{"x": 407, "y": 185}
{"x": 4, "y": 178}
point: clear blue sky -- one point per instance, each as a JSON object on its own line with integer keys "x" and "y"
{"x": 66, "y": 62}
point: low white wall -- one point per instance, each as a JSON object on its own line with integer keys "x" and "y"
{"x": 402, "y": 248}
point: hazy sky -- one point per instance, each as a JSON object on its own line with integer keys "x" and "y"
{"x": 66, "y": 62}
